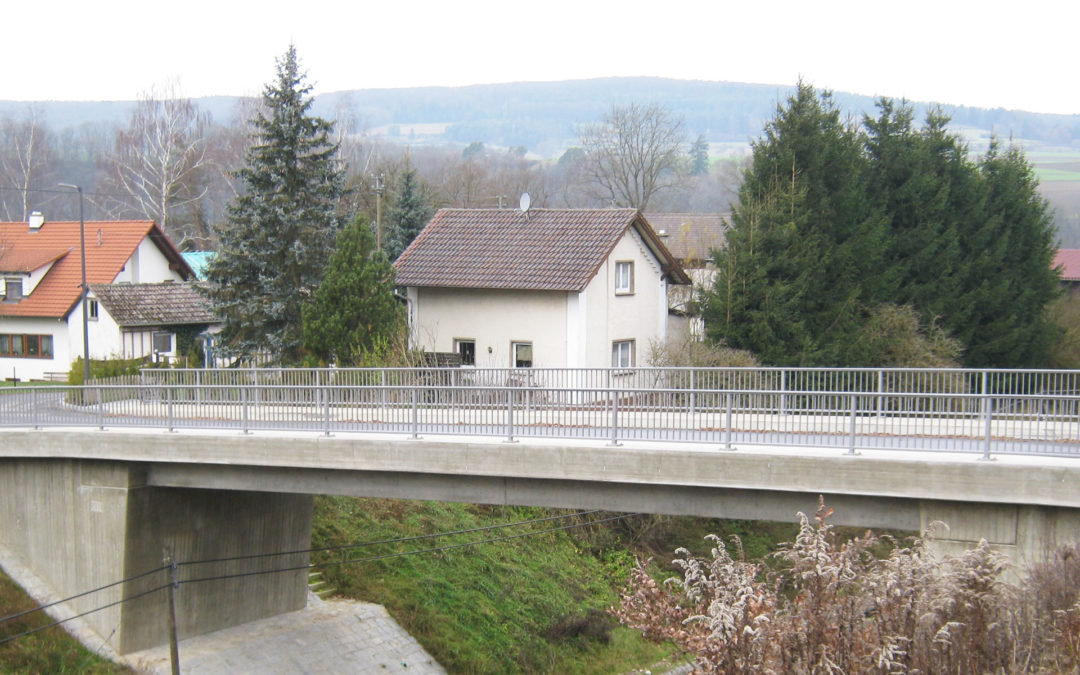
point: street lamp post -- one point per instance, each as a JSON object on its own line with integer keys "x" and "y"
{"x": 85, "y": 289}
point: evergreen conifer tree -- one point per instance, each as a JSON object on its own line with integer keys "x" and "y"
{"x": 281, "y": 230}
{"x": 806, "y": 245}
{"x": 354, "y": 310}
{"x": 407, "y": 216}
{"x": 699, "y": 156}
{"x": 1011, "y": 276}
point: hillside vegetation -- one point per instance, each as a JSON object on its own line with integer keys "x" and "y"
{"x": 533, "y": 604}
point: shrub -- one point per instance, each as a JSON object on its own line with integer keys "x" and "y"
{"x": 825, "y": 607}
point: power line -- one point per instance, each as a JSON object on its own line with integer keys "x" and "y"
{"x": 12, "y": 617}
{"x": 224, "y": 577}
{"x": 11, "y": 638}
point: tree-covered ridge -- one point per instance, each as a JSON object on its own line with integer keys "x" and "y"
{"x": 837, "y": 221}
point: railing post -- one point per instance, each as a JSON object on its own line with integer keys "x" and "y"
{"x": 382, "y": 390}
{"x": 987, "y": 418}
{"x": 101, "y": 409}
{"x": 783, "y": 392}
{"x": 727, "y": 424}
{"x": 851, "y": 435}
{"x": 693, "y": 394}
{"x": 415, "y": 411}
{"x": 880, "y": 401}
{"x": 326, "y": 405}
{"x": 510, "y": 416}
{"x": 244, "y": 408}
{"x": 614, "y": 416}
{"x": 34, "y": 407}
{"x": 169, "y": 406}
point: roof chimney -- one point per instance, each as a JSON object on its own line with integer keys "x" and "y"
{"x": 37, "y": 219}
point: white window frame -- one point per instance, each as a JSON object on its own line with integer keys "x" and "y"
{"x": 172, "y": 342}
{"x": 10, "y": 283}
{"x": 458, "y": 342}
{"x": 622, "y": 353}
{"x": 514, "y": 346}
{"x": 624, "y": 277}
{"x": 92, "y": 309}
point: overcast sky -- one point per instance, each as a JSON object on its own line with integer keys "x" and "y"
{"x": 987, "y": 54}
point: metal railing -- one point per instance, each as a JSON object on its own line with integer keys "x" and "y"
{"x": 984, "y": 411}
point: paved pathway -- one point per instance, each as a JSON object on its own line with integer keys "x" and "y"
{"x": 329, "y": 636}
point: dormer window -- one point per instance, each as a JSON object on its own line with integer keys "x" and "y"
{"x": 13, "y": 289}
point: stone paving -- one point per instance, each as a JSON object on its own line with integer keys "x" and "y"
{"x": 329, "y": 636}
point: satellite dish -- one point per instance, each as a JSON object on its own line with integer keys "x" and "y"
{"x": 525, "y": 202}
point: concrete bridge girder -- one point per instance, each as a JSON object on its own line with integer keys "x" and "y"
{"x": 86, "y": 508}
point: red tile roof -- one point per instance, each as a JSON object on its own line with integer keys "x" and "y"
{"x": 109, "y": 244}
{"x": 26, "y": 261}
{"x": 1068, "y": 259}
{"x": 546, "y": 249}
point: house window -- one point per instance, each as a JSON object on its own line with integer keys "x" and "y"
{"x": 92, "y": 309}
{"x": 31, "y": 346}
{"x": 522, "y": 353}
{"x": 13, "y": 290}
{"x": 622, "y": 354}
{"x": 624, "y": 277}
{"x": 163, "y": 342}
{"x": 467, "y": 350}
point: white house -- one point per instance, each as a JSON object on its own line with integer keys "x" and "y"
{"x": 543, "y": 288}
{"x": 40, "y": 288}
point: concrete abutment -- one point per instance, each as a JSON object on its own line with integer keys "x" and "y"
{"x": 84, "y": 524}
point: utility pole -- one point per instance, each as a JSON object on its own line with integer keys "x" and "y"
{"x": 85, "y": 288}
{"x": 174, "y": 646}
{"x": 379, "y": 187}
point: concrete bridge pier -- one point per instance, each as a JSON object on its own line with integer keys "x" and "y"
{"x": 1027, "y": 534}
{"x": 83, "y": 524}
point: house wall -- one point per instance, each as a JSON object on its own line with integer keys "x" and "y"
{"x": 641, "y": 316}
{"x": 494, "y": 319}
{"x": 147, "y": 265}
{"x": 27, "y": 368}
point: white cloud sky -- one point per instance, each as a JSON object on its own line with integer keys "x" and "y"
{"x": 989, "y": 54}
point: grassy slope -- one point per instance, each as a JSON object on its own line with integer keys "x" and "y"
{"x": 49, "y": 651}
{"x": 505, "y": 607}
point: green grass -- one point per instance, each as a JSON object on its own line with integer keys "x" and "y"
{"x": 48, "y": 651}
{"x": 501, "y": 607}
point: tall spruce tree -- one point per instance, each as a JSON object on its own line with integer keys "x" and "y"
{"x": 408, "y": 214}
{"x": 1012, "y": 275}
{"x": 803, "y": 256}
{"x": 281, "y": 230}
{"x": 354, "y": 310}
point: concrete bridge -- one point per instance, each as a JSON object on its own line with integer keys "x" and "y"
{"x": 96, "y": 482}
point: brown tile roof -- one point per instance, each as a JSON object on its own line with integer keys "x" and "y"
{"x": 690, "y": 236}
{"x": 161, "y": 304}
{"x": 1068, "y": 259}
{"x": 546, "y": 249}
{"x": 109, "y": 244}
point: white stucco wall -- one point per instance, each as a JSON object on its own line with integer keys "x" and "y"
{"x": 34, "y": 368}
{"x": 147, "y": 265}
{"x": 494, "y": 319}
{"x": 640, "y": 316}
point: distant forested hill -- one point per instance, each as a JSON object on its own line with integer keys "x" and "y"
{"x": 544, "y": 115}
{"x": 542, "y": 118}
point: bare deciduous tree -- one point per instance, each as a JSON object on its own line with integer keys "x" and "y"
{"x": 633, "y": 154}
{"x": 26, "y": 151}
{"x": 157, "y": 165}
